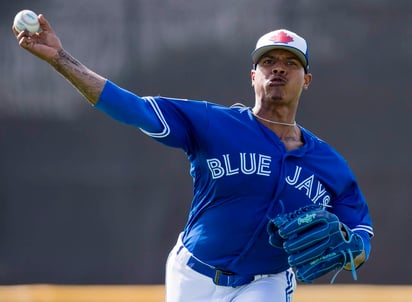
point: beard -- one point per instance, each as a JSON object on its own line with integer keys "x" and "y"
{"x": 275, "y": 93}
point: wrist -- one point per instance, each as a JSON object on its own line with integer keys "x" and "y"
{"x": 58, "y": 59}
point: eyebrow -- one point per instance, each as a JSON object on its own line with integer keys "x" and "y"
{"x": 291, "y": 57}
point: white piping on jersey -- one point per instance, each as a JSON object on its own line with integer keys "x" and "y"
{"x": 159, "y": 114}
{"x": 365, "y": 228}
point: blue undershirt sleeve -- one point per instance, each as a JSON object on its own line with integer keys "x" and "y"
{"x": 128, "y": 108}
{"x": 366, "y": 242}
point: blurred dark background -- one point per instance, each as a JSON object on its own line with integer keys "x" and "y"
{"x": 86, "y": 200}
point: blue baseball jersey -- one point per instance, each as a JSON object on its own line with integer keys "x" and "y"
{"x": 242, "y": 176}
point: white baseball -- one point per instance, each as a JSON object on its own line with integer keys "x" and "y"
{"x": 26, "y": 20}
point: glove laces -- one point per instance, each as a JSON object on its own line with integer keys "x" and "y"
{"x": 352, "y": 265}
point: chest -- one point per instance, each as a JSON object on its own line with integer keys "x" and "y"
{"x": 292, "y": 144}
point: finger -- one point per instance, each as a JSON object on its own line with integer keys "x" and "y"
{"x": 25, "y": 39}
{"x": 20, "y": 36}
{"x": 308, "y": 255}
{"x": 307, "y": 221}
{"x": 17, "y": 33}
{"x": 44, "y": 24}
{"x": 294, "y": 227}
{"x": 14, "y": 30}
{"x": 308, "y": 239}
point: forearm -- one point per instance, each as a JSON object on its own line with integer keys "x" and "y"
{"x": 87, "y": 82}
{"x": 47, "y": 46}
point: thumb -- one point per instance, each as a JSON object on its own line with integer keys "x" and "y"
{"x": 44, "y": 24}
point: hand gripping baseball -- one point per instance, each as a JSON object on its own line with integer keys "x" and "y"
{"x": 316, "y": 242}
{"x": 44, "y": 44}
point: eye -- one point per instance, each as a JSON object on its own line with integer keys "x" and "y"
{"x": 267, "y": 62}
{"x": 291, "y": 63}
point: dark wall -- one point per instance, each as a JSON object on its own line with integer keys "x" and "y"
{"x": 84, "y": 199}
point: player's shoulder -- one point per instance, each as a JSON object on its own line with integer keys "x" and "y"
{"x": 323, "y": 148}
{"x": 160, "y": 98}
{"x": 180, "y": 101}
{"x": 318, "y": 142}
{"x": 180, "y": 104}
{"x": 205, "y": 106}
{"x": 239, "y": 105}
{"x": 309, "y": 134}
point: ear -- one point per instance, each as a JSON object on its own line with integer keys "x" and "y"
{"x": 307, "y": 81}
{"x": 252, "y": 76}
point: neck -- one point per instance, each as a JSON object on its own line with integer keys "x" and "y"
{"x": 291, "y": 124}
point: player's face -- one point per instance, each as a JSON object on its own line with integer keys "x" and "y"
{"x": 279, "y": 76}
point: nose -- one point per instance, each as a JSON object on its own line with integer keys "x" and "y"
{"x": 279, "y": 68}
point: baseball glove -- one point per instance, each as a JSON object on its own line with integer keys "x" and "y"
{"x": 316, "y": 242}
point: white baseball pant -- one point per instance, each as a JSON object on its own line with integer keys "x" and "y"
{"x": 183, "y": 284}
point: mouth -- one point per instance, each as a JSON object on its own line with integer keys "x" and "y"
{"x": 277, "y": 81}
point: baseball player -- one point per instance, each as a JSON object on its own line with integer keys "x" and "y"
{"x": 271, "y": 201}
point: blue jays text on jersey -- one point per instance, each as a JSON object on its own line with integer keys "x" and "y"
{"x": 242, "y": 175}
